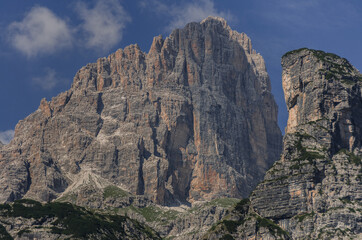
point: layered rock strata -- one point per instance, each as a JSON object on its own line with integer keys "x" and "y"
{"x": 193, "y": 119}
{"x": 314, "y": 191}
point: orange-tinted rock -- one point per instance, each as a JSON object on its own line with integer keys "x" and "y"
{"x": 193, "y": 119}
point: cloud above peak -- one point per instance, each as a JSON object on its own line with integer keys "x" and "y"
{"x": 6, "y": 136}
{"x": 181, "y": 14}
{"x": 40, "y": 32}
{"x": 48, "y": 81}
{"x": 103, "y": 24}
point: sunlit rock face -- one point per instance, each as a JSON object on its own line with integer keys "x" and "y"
{"x": 193, "y": 119}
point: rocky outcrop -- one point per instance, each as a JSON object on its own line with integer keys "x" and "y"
{"x": 314, "y": 191}
{"x": 181, "y": 223}
{"x": 193, "y": 119}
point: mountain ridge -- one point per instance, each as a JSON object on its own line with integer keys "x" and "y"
{"x": 191, "y": 120}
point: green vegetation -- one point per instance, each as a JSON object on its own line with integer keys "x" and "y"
{"x": 321, "y": 55}
{"x": 333, "y": 232}
{"x": 294, "y": 52}
{"x": 21, "y": 232}
{"x": 227, "y": 237}
{"x": 348, "y": 81}
{"x": 298, "y": 166}
{"x": 346, "y": 200}
{"x": 359, "y": 178}
{"x": 335, "y": 71}
{"x": 77, "y": 222}
{"x": 153, "y": 213}
{"x": 228, "y": 226}
{"x": 231, "y": 226}
{"x": 318, "y": 125}
{"x": 115, "y": 192}
{"x": 70, "y": 197}
{"x": 282, "y": 178}
{"x": 324, "y": 56}
{"x": 220, "y": 202}
{"x": 273, "y": 228}
{"x": 301, "y": 217}
{"x": 304, "y": 154}
{"x": 241, "y": 205}
{"x": 352, "y": 158}
{"x": 352, "y": 210}
{"x": 223, "y": 202}
{"x": 4, "y": 235}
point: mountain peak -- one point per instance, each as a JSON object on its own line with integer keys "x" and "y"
{"x": 191, "y": 120}
{"x": 311, "y": 81}
{"x": 214, "y": 18}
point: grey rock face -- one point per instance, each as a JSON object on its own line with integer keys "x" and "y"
{"x": 193, "y": 119}
{"x": 314, "y": 191}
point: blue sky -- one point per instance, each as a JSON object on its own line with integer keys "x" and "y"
{"x": 43, "y": 43}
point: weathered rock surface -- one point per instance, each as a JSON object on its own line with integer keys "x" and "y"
{"x": 179, "y": 224}
{"x": 314, "y": 191}
{"x": 193, "y": 119}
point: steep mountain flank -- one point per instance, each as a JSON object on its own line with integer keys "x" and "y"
{"x": 314, "y": 191}
{"x": 193, "y": 119}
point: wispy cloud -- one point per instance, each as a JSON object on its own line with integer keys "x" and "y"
{"x": 311, "y": 14}
{"x": 6, "y": 136}
{"x": 40, "y": 32}
{"x": 181, "y": 14}
{"x": 103, "y": 24}
{"x": 48, "y": 81}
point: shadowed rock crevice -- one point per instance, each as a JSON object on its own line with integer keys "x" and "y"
{"x": 142, "y": 155}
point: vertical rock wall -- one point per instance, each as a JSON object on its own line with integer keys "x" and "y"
{"x": 314, "y": 191}
{"x": 192, "y": 119}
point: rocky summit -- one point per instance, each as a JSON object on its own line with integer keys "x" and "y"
{"x": 193, "y": 119}
{"x": 192, "y": 122}
{"x": 314, "y": 191}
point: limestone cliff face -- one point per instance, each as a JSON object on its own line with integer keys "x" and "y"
{"x": 314, "y": 191}
{"x": 192, "y": 119}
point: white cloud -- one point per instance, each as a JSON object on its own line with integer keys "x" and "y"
{"x": 194, "y": 12}
{"x": 103, "y": 24}
{"x": 6, "y": 136}
{"x": 181, "y": 14}
{"x": 48, "y": 81}
{"x": 40, "y": 32}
